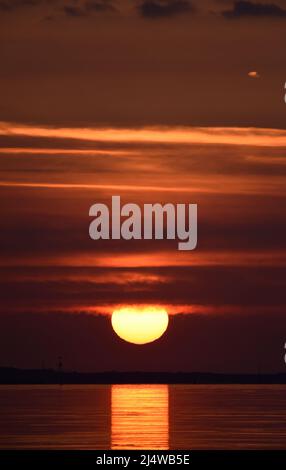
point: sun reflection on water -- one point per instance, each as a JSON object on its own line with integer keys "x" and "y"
{"x": 139, "y": 417}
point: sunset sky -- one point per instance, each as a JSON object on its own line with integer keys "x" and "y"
{"x": 155, "y": 101}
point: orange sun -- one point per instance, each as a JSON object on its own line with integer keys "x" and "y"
{"x": 140, "y": 325}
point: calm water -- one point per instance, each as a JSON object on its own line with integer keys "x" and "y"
{"x": 143, "y": 416}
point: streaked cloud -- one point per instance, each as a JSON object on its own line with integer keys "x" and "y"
{"x": 176, "y": 135}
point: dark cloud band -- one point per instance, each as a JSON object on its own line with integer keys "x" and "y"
{"x": 164, "y": 8}
{"x": 243, "y": 9}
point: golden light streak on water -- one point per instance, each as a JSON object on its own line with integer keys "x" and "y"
{"x": 139, "y": 417}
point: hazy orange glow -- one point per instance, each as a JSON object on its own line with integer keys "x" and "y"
{"x": 177, "y": 135}
{"x": 222, "y": 185}
{"x": 155, "y": 259}
{"x": 60, "y": 151}
{"x": 140, "y": 325}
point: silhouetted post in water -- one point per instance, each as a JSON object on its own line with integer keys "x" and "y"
{"x": 60, "y": 369}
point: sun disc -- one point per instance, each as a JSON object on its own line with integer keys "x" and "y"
{"x": 140, "y": 325}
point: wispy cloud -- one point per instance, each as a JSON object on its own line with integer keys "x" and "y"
{"x": 176, "y": 135}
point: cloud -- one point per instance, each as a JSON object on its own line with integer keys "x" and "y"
{"x": 88, "y": 7}
{"x": 8, "y": 5}
{"x": 153, "y": 135}
{"x": 74, "y": 8}
{"x": 99, "y": 5}
{"x": 243, "y": 9}
{"x": 73, "y": 11}
{"x": 164, "y": 8}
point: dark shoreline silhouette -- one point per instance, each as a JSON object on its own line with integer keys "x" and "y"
{"x": 11, "y": 375}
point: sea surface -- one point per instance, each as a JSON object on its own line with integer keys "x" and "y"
{"x": 143, "y": 417}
